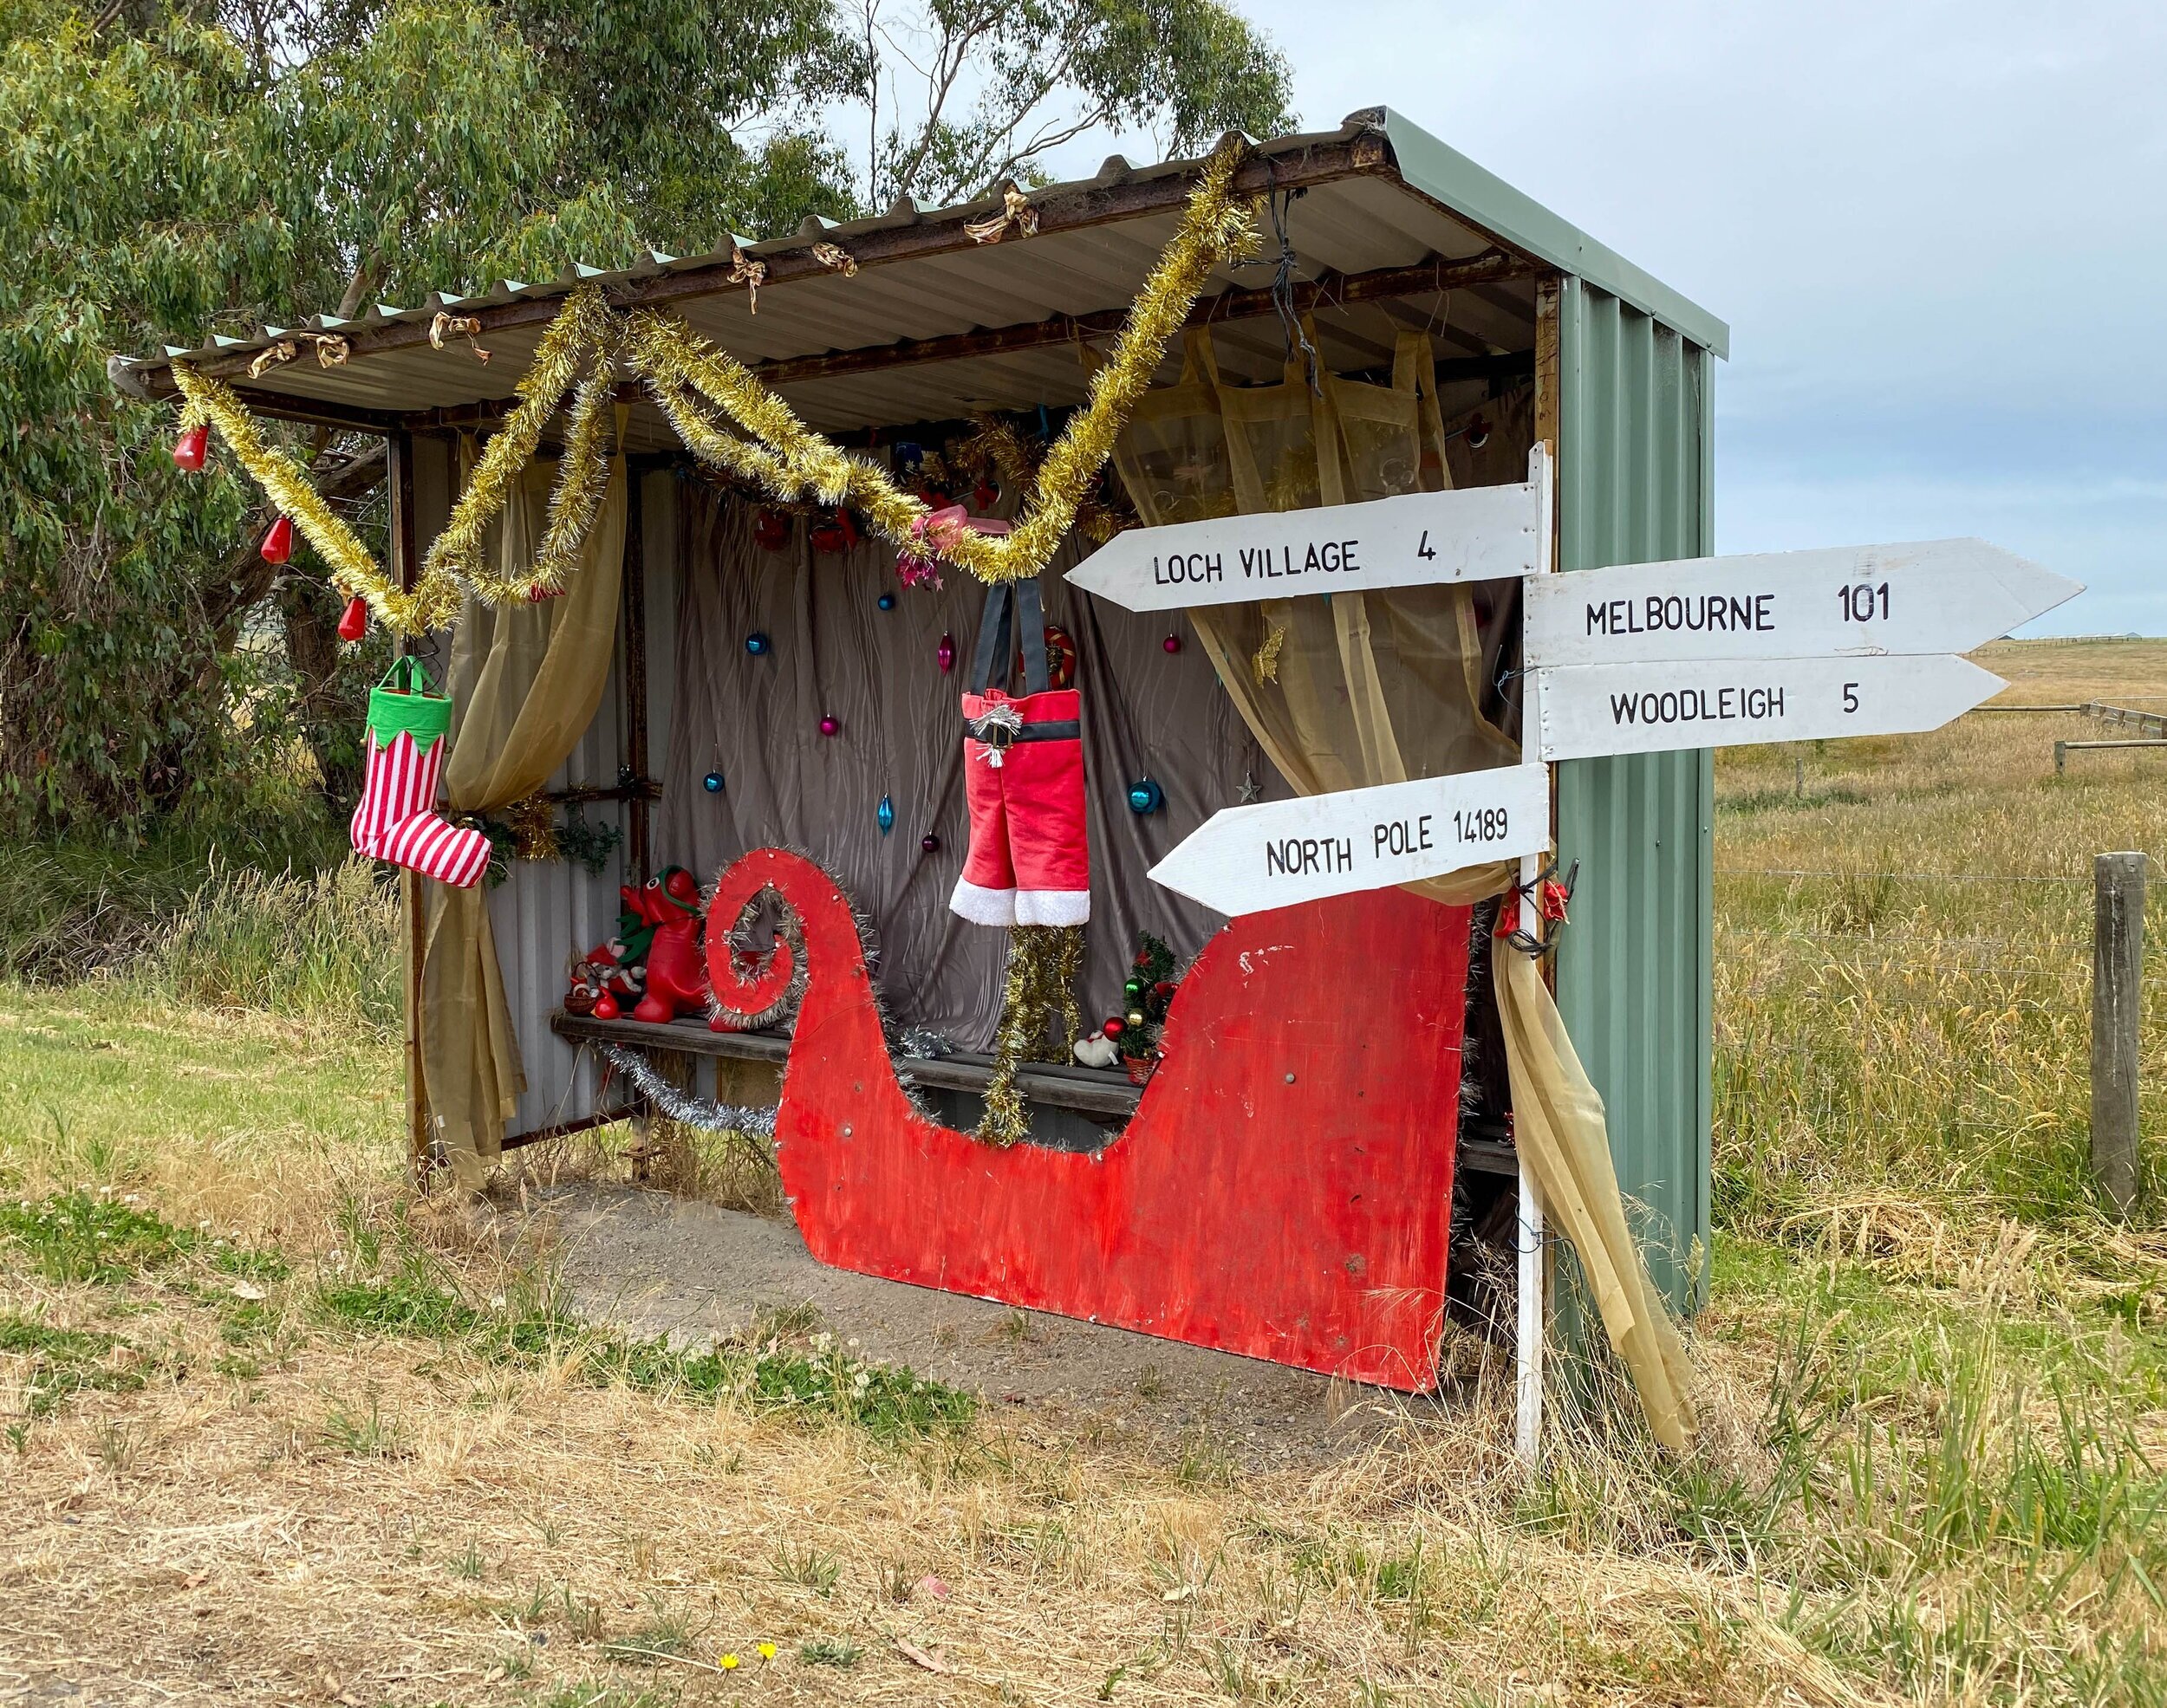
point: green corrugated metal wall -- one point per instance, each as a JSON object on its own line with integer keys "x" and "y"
{"x": 1635, "y": 420}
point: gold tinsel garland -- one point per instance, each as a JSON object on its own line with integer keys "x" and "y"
{"x": 676, "y": 363}
{"x": 353, "y": 570}
{"x": 584, "y": 330}
{"x": 786, "y": 456}
{"x": 583, "y": 482}
{"x": 1039, "y": 988}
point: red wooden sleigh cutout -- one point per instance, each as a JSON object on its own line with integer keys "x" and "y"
{"x": 1284, "y": 1189}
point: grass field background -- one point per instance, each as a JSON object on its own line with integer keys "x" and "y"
{"x": 275, "y": 1429}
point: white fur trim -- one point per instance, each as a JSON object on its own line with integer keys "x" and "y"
{"x": 981, "y": 906}
{"x": 1052, "y": 907}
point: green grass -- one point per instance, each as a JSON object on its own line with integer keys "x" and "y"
{"x": 91, "y": 1236}
{"x": 838, "y": 1652}
{"x": 321, "y": 947}
{"x": 110, "y": 1085}
{"x": 413, "y": 1294}
{"x": 62, "y": 1362}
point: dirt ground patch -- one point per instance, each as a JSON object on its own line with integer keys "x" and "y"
{"x": 652, "y": 1264}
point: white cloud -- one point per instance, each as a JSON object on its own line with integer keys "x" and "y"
{"x": 1939, "y": 231}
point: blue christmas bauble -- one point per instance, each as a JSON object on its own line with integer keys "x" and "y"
{"x": 886, "y": 814}
{"x": 1145, "y": 797}
{"x": 888, "y": 601}
{"x": 711, "y": 783}
{"x": 756, "y": 643}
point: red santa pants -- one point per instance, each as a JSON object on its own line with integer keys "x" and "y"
{"x": 1030, "y": 862}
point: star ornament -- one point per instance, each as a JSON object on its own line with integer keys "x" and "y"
{"x": 1251, "y": 788}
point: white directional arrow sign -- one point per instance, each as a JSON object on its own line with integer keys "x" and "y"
{"x": 1587, "y": 710}
{"x": 1480, "y": 534}
{"x": 1277, "y": 852}
{"x": 1935, "y": 596}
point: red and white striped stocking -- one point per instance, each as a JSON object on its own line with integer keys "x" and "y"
{"x": 397, "y": 818}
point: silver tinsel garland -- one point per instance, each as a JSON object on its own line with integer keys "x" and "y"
{"x": 682, "y": 1106}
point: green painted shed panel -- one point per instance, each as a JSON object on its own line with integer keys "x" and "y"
{"x": 1634, "y": 972}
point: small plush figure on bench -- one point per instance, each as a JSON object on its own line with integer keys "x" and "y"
{"x": 677, "y": 976}
{"x": 658, "y": 938}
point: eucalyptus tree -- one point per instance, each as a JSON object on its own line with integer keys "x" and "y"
{"x": 172, "y": 166}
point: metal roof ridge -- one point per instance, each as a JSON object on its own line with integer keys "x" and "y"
{"x": 1440, "y": 171}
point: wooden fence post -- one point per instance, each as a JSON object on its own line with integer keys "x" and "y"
{"x": 2117, "y": 956}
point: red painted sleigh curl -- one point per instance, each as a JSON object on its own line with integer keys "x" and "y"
{"x": 1284, "y": 1189}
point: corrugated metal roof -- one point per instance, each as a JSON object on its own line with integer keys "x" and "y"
{"x": 1379, "y": 195}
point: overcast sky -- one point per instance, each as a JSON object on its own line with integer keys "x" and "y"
{"x": 1938, "y": 232}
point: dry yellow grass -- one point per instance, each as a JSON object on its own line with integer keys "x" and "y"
{"x": 377, "y": 1524}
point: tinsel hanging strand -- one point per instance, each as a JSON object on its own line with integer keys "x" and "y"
{"x": 583, "y": 482}
{"x": 1037, "y": 989}
{"x": 796, "y": 463}
{"x": 681, "y": 1105}
{"x": 584, "y": 330}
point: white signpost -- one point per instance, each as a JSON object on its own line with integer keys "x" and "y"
{"x": 1277, "y": 852}
{"x": 1648, "y": 657}
{"x": 1587, "y": 710}
{"x": 1478, "y": 533}
{"x": 1937, "y": 596}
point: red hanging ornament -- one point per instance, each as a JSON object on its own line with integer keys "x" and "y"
{"x": 944, "y": 655}
{"x": 190, "y": 449}
{"x": 985, "y": 495}
{"x": 1113, "y": 1029}
{"x": 354, "y": 624}
{"x": 1171, "y": 644}
{"x": 831, "y": 724}
{"x": 278, "y": 544}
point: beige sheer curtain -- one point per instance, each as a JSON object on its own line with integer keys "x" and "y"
{"x": 525, "y": 682}
{"x": 1360, "y": 689}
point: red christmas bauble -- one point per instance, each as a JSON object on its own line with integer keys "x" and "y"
{"x": 278, "y": 544}
{"x": 353, "y": 622}
{"x": 1172, "y": 643}
{"x": 944, "y": 655}
{"x": 190, "y": 449}
{"x": 606, "y": 1007}
{"x": 831, "y": 724}
{"x": 1113, "y": 1029}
